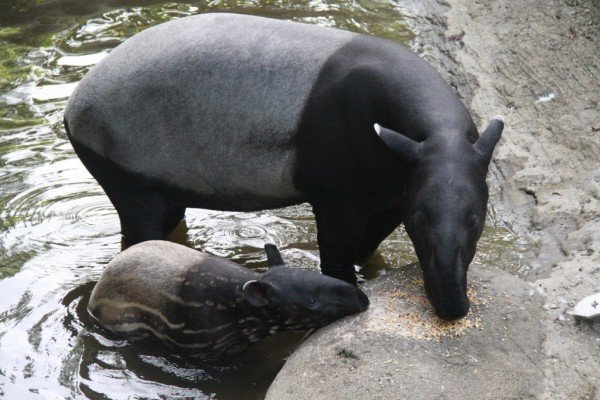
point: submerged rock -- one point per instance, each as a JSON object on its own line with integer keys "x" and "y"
{"x": 398, "y": 349}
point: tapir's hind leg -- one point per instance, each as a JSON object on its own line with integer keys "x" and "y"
{"x": 145, "y": 210}
{"x": 144, "y": 214}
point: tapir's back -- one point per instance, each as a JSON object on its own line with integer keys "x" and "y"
{"x": 194, "y": 91}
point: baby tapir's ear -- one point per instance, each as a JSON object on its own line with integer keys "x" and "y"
{"x": 273, "y": 256}
{"x": 255, "y": 293}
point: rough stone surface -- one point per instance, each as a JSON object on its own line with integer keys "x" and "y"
{"x": 535, "y": 62}
{"x": 398, "y": 349}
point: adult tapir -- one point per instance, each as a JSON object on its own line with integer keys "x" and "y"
{"x": 234, "y": 112}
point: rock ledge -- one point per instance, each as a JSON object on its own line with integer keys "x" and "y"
{"x": 398, "y": 349}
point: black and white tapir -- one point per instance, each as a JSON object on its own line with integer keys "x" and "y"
{"x": 206, "y": 306}
{"x": 235, "y": 112}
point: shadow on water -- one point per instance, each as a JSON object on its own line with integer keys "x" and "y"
{"x": 58, "y": 229}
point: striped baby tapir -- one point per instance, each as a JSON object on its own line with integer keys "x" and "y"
{"x": 206, "y": 306}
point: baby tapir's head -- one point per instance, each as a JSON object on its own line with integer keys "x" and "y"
{"x": 302, "y": 299}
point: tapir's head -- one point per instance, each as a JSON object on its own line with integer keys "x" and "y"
{"x": 446, "y": 201}
{"x": 301, "y": 299}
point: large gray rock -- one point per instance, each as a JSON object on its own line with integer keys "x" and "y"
{"x": 398, "y": 349}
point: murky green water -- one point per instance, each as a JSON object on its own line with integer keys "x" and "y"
{"x": 58, "y": 230}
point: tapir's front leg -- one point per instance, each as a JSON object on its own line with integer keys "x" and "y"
{"x": 379, "y": 226}
{"x": 341, "y": 227}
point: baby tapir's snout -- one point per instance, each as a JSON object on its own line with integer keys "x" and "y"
{"x": 206, "y": 306}
{"x": 307, "y": 299}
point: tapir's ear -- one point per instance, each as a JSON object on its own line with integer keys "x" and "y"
{"x": 407, "y": 148}
{"x": 489, "y": 138}
{"x": 273, "y": 256}
{"x": 255, "y": 293}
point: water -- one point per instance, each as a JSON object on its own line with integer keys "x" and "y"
{"x": 58, "y": 230}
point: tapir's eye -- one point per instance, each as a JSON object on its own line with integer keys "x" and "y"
{"x": 473, "y": 222}
{"x": 419, "y": 217}
{"x": 311, "y": 300}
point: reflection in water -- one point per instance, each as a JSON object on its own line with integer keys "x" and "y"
{"x": 58, "y": 229}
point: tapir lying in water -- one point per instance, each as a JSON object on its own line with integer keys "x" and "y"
{"x": 234, "y": 112}
{"x": 206, "y": 306}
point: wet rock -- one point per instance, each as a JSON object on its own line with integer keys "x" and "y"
{"x": 398, "y": 349}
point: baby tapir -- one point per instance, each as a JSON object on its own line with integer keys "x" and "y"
{"x": 206, "y": 306}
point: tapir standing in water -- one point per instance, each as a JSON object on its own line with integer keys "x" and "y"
{"x": 234, "y": 112}
{"x": 206, "y": 306}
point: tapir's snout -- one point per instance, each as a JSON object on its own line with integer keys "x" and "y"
{"x": 335, "y": 298}
{"x": 352, "y": 301}
{"x": 445, "y": 278}
{"x": 450, "y": 301}
{"x": 452, "y": 308}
